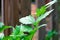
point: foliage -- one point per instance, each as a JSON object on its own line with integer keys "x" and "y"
{"x": 3, "y": 27}
{"x": 24, "y": 31}
{"x": 50, "y": 34}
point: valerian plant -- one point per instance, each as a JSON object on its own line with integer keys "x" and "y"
{"x": 24, "y": 31}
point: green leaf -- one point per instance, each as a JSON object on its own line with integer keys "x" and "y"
{"x": 43, "y": 16}
{"x": 50, "y": 3}
{"x": 26, "y": 28}
{"x": 22, "y": 28}
{"x": 1, "y": 35}
{"x": 6, "y": 38}
{"x": 29, "y": 37}
{"x": 4, "y": 28}
{"x": 36, "y": 28}
{"x": 40, "y": 11}
{"x": 1, "y": 24}
{"x": 27, "y": 20}
{"x": 18, "y": 31}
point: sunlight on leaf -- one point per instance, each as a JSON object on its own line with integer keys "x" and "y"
{"x": 27, "y": 20}
{"x": 1, "y": 35}
{"x": 50, "y": 3}
{"x": 43, "y": 16}
{"x": 1, "y": 24}
{"x": 42, "y": 10}
{"x": 26, "y": 28}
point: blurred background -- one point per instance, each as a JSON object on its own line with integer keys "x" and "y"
{"x": 12, "y": 10}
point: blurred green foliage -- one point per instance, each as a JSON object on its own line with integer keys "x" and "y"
{"x": 50, "y": 34}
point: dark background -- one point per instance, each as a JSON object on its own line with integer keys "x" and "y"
{"x": 0, "y": 7}
{"x": 33, "y": 0}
